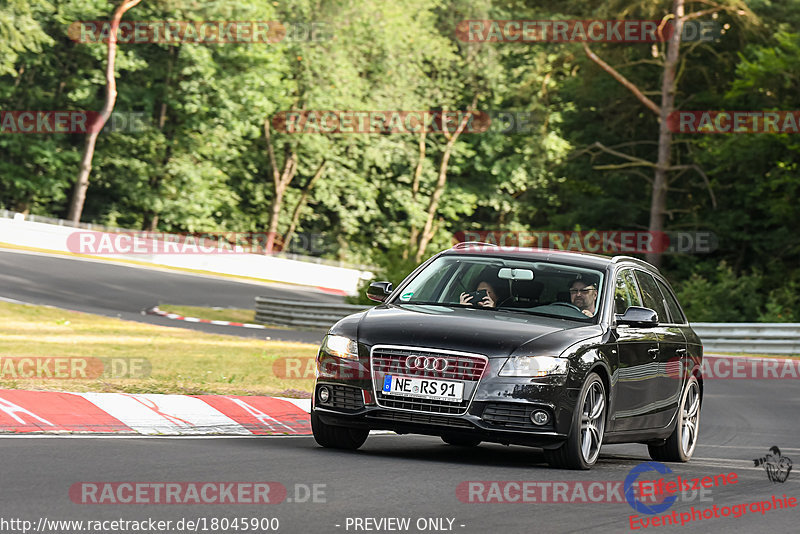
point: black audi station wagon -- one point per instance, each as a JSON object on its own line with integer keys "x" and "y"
{"x": 557, "y": 350}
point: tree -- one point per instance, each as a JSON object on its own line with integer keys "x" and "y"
{"x": 433, "y": 204}
{"x": 669, "y": 82}
{"x": 82, "y": 184}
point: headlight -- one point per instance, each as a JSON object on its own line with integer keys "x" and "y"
{"x": 532, "y": 366}
{"x": 340, "y": 346}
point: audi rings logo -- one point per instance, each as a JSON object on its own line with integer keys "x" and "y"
{"x": 426, "y": 363}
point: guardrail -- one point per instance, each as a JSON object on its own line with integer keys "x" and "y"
{"x": 302, "y": 314}
{"x": 753, "y": 338}
{"x": 13, "y": 215}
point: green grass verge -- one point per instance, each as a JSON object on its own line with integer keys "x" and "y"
{"x": 182, "y": 361}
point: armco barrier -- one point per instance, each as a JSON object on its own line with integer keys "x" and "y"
{"x": 303, "y": 314}
{"x": 753, "y": 338}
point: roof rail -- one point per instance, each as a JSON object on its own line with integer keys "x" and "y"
{"x": 617, "y": 259}
{"x": 465, "y": 244}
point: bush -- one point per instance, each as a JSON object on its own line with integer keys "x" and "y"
{"x": 391, "y": 268}
{"x": 725, "y": 298}
{"x": 782, "y": 305}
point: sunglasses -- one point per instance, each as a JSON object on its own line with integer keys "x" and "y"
{"x": 584, "y": 291}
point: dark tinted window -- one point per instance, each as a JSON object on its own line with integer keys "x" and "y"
{"x": 676, "y": 316}
{"x": 625, "y": 294}
{"x": 651, "y": 295}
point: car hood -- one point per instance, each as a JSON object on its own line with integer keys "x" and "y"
{"x": 493, "y": 333}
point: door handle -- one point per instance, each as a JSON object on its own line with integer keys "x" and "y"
{"x": 680, "y": 351}
{"x": 653, "y": 352}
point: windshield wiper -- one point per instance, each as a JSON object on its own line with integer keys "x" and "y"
{"x": 444, "y": 304}
{"x": 425, "y": 303}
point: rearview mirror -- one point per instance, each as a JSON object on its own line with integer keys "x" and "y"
{"x": 379, "y": 291}
{"x": 638, "y": 316}
{"x": 515, "y": 274}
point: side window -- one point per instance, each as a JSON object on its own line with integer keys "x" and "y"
{"x": 625, "y": 294}
{"x": 674, "y": 310}
{"x": 651, "y": 295}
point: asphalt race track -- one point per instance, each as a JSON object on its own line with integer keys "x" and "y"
{"x": 391, "y": 476}
{"x": 407, "y": 476}
{"x": 117, "y": 290}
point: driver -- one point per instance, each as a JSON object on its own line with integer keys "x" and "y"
{"x": 583, "y": 296}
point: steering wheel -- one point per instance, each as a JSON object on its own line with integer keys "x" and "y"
{"x": 568, "y": 305}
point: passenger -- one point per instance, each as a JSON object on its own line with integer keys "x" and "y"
{"x": 489, "y": 301}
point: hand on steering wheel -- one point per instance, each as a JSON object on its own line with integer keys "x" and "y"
{"x": 587, "y": 313}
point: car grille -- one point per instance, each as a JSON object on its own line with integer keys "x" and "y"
{"x": 408, "y": 417}
{"x": 461, "y": 367}
{"x": 345, "y": 398}
{"x": 508, "y": 414}
{"x": 392, "y": 360}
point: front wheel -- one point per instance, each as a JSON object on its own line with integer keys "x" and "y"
{"x": 582, "y": 447}
{"x": 679, "y": 446}
{"x": 337, "y": 437}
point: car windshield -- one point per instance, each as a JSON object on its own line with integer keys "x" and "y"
{"x": 496, "y": 284}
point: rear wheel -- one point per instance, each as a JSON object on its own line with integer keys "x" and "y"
{"x": 337, "y": 437}
{"x": 679, "y": 446}
{"x": 461, "y": 441}
{"x": 582, "y": 447}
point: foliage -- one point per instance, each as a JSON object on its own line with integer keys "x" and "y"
{"x": 200, "y": 163}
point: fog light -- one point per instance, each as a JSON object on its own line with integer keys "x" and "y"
{"x": 540, "y": 417}
{"x": 324, "y": 394}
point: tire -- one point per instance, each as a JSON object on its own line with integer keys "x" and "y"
{"x": 337, "y": 437}
{"x": 680, "y": 445}
{"x": 582, "y": 447}
{"x": 461, "y": 441}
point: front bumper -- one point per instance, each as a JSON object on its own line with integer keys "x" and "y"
{"x": 500, "y": 412}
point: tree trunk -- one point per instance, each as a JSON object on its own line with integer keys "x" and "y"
{"x": 427, "y": 231}
{"x": 280, "y": 182}
{"x": 287, "y": 239}
{"x": 274, "y": 217}
{"x": 658, "y": 203}
{"x": 414, "y": 234}
{"x": 79, "y": 193}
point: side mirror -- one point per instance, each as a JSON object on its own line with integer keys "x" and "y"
{"x": 638, "y": 316}
{"x": 379, "y": 291}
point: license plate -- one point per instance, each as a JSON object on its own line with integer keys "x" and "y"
{"x": 425, "y": 388}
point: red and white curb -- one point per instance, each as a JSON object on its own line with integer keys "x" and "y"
{"x": 151, "y": 414}
{"x": 155, "y": 311}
